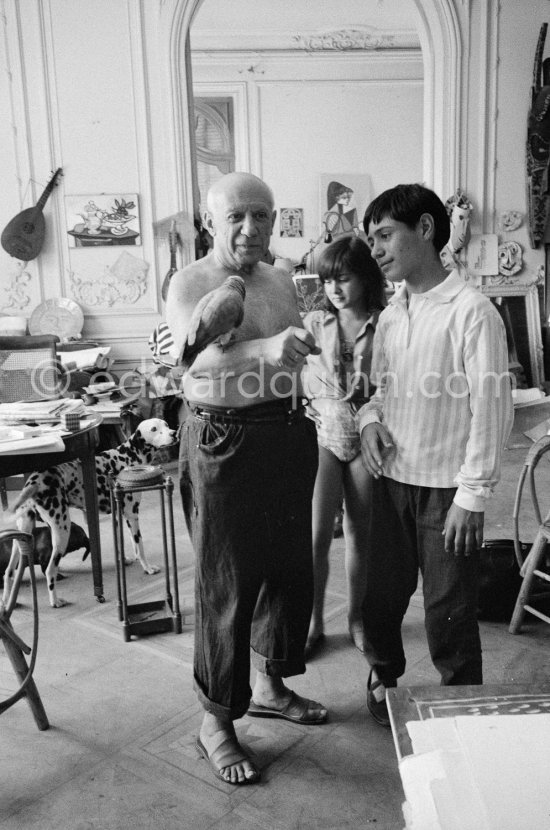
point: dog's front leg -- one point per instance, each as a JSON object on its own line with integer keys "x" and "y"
{"x": 137, "y": 544}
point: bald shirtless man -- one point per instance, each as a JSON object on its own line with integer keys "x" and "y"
{"x": 248, "y": 459}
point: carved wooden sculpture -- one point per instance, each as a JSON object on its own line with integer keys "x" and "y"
{"x": 538, "y": 145}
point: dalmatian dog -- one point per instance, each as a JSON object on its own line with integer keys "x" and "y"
{"x": 49, "y": 494}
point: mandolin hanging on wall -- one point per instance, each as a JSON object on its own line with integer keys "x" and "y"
{"x": 23, "y": 237}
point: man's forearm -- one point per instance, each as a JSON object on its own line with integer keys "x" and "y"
{"x": 233, "y": 360}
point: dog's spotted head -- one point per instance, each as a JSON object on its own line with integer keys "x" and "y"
{"x": 156, "y": 432}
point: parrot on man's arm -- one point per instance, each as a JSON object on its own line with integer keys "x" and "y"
{"x": 215, "y": 317}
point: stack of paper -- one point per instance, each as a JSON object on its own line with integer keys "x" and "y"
{"x": 524, "y": 397}
{"x": 40, "y": 411}
{"x": 49, "y": 442}
{"x": 84, "y": 358}
{"x": 478, "y": 773}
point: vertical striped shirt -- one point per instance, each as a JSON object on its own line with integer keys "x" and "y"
{"x": 440, "y": 364}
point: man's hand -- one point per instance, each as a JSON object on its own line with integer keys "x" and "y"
{"x": 376, "y": 443}
{"x": 290, "y": 348}
{"x": 463, "y": 531}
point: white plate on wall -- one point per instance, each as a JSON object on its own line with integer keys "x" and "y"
{"x": 59, "y": 316}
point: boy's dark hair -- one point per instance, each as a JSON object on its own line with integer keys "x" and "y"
{"x": 350, "y": 255}
{"x": 406, "y": 203}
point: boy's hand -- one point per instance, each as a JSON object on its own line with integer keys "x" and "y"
{"x": 463, "y": 531}
{"x": 376, "y": 443}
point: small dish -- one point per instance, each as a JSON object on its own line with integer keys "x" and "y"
{"x": 59, "y": 316}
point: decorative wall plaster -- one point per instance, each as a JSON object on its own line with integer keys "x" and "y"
{"x": 510, "y": 220}
{"x": 122, "y": 283}
{"x": 538, "y": 146}
{"x": 17, "y": 288}
{"x": 510, "y": 259}
{"x": 345, "y": 39}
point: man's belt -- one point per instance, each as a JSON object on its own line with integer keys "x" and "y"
{"x": 268, "y": 412}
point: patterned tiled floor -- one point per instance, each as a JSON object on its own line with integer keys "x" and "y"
{"x": 120, "y": 752}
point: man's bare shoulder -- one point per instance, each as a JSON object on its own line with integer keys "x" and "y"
{"x": 196, "y": 279}
{"x": 277, "y": 277}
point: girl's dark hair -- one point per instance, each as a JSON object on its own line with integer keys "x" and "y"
{"x": 406, "y": 203}
{"x": 350, "y": 255}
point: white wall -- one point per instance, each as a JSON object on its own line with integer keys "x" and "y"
{"x": 346, "y": 114}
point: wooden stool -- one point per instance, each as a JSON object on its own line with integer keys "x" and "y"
{"x": 15, "y": 647}
{"x": 158, "y": 615}
{"x": 530, "y": 571}
{"x": 530, "y": 568}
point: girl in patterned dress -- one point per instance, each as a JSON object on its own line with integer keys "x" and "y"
{"x": 337, "y": 383}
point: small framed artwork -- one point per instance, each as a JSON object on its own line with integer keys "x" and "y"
{"x": 343, "y": 199}
{"x": 310, "y": 291}
{"x": 103, "y": 219}
{"x": 292, "y": 222}
{"x": 482, "y": 254}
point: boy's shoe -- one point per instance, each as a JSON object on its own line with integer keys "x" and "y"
{"x": 376, "y": 699}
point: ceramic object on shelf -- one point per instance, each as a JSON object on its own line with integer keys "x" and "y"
{"x": 59, "y": 316}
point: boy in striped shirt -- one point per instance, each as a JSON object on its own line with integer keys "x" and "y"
{"x": 432, "y": 437}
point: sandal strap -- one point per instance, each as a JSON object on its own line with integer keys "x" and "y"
{"x": 301, "y": 706}
{"x": 228, "y": 753}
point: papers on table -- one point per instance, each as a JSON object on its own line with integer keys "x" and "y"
{"x": 46, "y": 442}
{"x": 26, "y": 439}
{"x": 18, "y": 436}
{"x": 40, "y": 411}
{"x": 478, "y": 773}
{"x": 84, "y": 358}
{"x": 527, "y": 397}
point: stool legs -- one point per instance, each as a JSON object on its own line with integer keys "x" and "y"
{"x": 21, "y": 669}
{"x": 176, "y": 604}
{"x": 14, "y": 646}
{"x": 529, "y": 572}
{"x": 156, "y": 615}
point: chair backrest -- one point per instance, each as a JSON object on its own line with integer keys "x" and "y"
{"x": 29, "y": 368}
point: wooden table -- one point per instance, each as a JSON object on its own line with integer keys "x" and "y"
{"x": 410, "y": 703}
{"x": 79, "y": 446}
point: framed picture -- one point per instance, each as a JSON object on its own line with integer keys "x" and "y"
{"x": 292, "y": 222}
{"x": 343, "y": 199}
{"x": 310, "y": 291}
{"x": 103, "y": 219}
{"x": 482, "y": 254}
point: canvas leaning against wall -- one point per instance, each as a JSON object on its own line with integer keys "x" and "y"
{"x": 103, "y": 219}
{"x": 343, "y": 199}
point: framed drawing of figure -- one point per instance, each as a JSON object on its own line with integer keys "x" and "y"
{"x": 344, "y": 198}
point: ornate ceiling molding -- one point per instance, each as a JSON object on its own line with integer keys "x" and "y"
{"x": 343, "y": 40}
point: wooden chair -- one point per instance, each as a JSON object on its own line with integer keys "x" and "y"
{"x": 534, "y": 578}
{"x": 16, "y": 648}
{"x": 29, "y": 370}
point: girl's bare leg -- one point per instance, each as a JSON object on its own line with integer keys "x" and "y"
{"x": 326, "y": 499}
{"x": 357, "y": 517}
